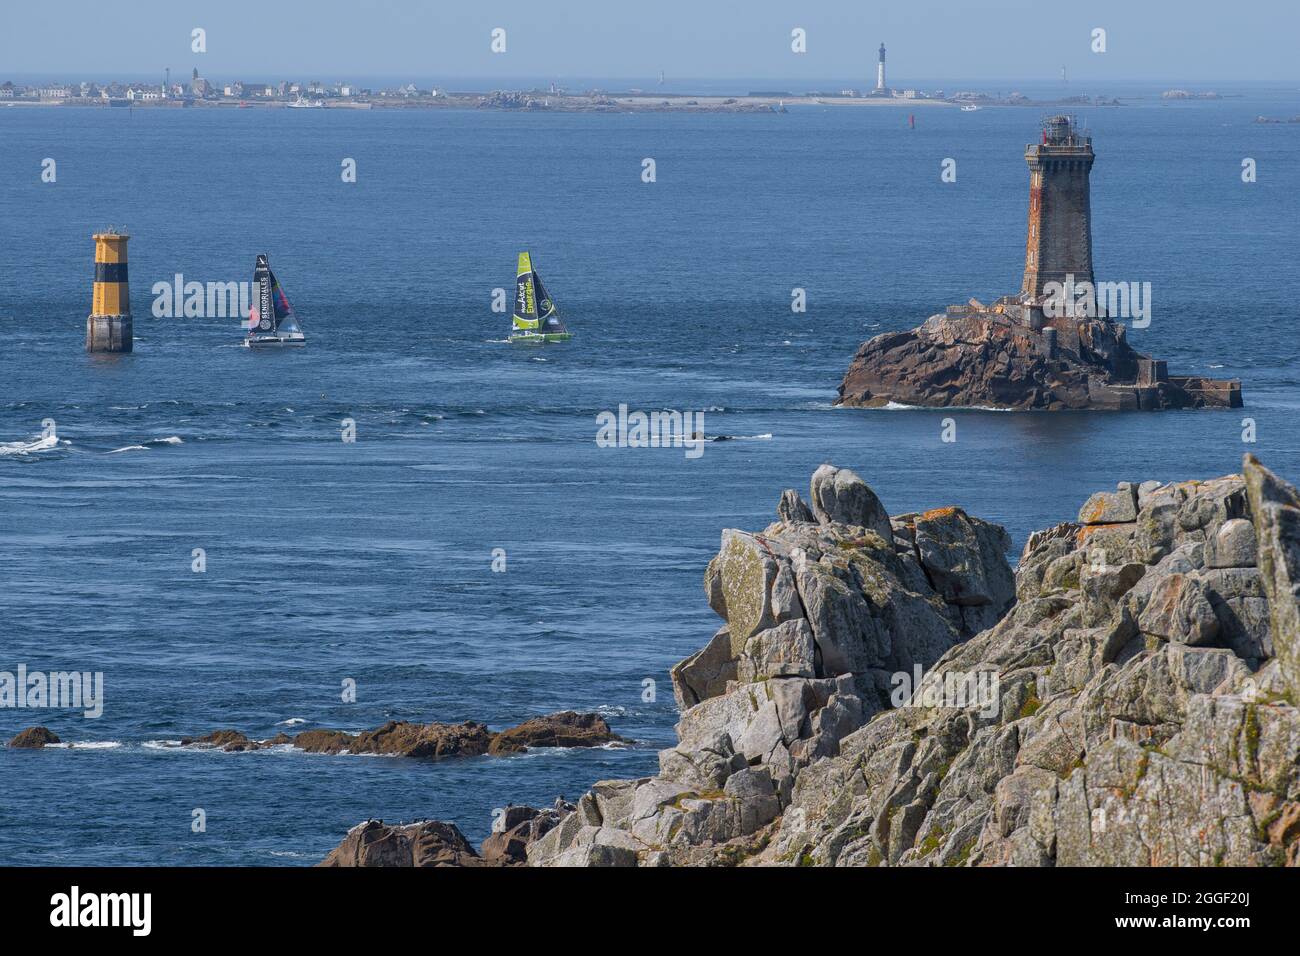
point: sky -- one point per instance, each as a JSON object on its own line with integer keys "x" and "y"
{"x": 1160, "y": 41}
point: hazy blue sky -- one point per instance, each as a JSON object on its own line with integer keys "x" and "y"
{"x": 1174, "y": 41}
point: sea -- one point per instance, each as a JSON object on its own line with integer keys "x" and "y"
{"x": 204, "y": 536}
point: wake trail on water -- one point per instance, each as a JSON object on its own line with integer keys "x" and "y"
{"x": 152, "y": 443}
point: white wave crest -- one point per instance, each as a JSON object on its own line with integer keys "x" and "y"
{"x": 151, "y": 443}
{"x": 27, "y": 448}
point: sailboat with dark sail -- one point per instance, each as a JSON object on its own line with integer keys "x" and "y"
{"x": 271, "y": 320}
{"x": 536, "y": 320}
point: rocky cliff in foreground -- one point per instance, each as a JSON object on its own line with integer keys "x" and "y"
{"x": 1127, "y": 697}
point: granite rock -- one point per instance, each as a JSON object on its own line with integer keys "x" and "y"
{"x": 1137, "y": 712}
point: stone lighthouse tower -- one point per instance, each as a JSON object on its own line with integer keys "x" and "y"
{"x": 880, "y": 71}
{"x": 108, "y": 327}
{"x": 1059, "y": 242}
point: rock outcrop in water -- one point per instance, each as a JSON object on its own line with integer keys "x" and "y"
{"x": 983, "y": 357}
{"x": 884, "y": 691}
{"x": 33, "y": 738}
{"x": 400, "y": 738}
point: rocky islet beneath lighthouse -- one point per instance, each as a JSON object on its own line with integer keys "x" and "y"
{"x": 1055, "y": 344}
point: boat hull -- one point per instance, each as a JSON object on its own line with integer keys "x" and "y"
{"x": 275, "y": 341}
{"x": 539, "y": 338}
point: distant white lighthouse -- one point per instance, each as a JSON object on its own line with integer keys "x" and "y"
{"x": 880, "y": 71}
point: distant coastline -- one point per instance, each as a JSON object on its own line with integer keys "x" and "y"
{"x": 538, "y": 101}
{"x": 200, "y": 92}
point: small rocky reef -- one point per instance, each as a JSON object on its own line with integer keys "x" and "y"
{"x": 886, "y": 691}
{"x": 400, "y": 738}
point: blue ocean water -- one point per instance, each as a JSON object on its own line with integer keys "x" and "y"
{"x": 371, "y": 561}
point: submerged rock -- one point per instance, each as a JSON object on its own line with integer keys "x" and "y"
{"x": 232, "y": 741}
{"x": 33, "y": 738}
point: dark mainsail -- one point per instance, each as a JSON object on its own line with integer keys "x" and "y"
{"x": 546, "y": 311}
{"x": 547, "y": 316}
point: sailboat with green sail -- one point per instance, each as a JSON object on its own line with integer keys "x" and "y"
{"x": 536, "y": 320}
